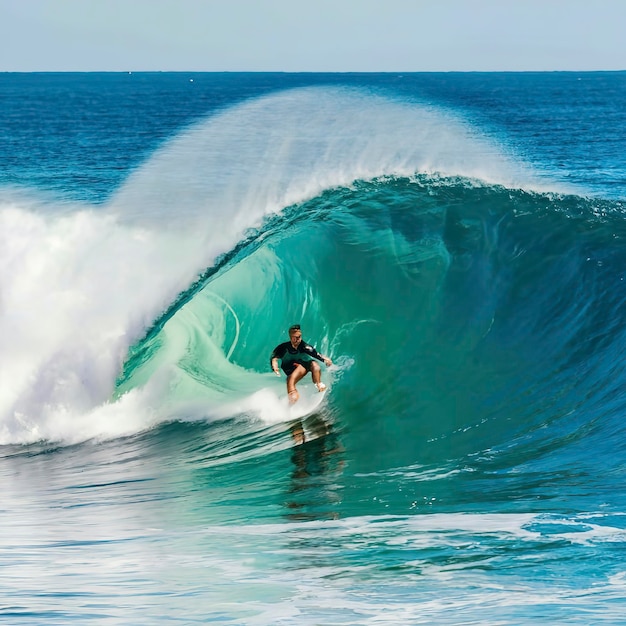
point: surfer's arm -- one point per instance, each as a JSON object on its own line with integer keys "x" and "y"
{"x": 277, "y": 354}
{"x": 274, "y": 363}
{"x": 326, "y": 360}
{"x": 320, "y": 357}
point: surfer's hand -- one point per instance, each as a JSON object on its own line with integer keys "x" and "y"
{"x": 276, "y": 371}
{"x": 327, "y": 362}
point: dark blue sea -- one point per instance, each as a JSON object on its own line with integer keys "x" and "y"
{"x": 456, "y": 243}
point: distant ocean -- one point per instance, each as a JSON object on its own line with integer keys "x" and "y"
{"x": 455, "y": 242}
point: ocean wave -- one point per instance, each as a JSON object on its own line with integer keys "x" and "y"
{"x": 401, "y": 239}
{"x": 468, "y": 316}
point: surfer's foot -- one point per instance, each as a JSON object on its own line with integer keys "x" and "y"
{"x": 294, "y": 396}
{"x": 320, "y": 386}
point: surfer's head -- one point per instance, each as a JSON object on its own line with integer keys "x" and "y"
{"x": 295, "y": 335}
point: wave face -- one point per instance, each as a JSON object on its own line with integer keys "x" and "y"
{"x": 464, "y": 318}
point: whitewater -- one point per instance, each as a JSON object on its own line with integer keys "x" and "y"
{"x": 453, "y": 242}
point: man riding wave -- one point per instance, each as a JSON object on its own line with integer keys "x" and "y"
{"x": 296, "y": 357}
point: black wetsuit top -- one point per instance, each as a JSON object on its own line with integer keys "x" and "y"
{"x": 289, "y": 356}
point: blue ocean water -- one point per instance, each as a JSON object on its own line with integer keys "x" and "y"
{"x": 455, "y": 242}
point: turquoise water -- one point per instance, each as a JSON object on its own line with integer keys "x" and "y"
{"x": 453, "y": 242}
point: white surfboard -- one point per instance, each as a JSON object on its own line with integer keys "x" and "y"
{"x": 310, "y": 401}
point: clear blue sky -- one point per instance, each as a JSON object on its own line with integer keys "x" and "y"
{"x": 312, "y": 35}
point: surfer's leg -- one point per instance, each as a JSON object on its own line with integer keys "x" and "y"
{"x": 316, "y": 375}
{"x": 298, "y": 374}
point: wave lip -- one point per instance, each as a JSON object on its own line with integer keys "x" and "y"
{"x": 266, "y": 154}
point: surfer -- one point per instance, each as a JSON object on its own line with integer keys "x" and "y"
{"x": 296, "y": 357}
